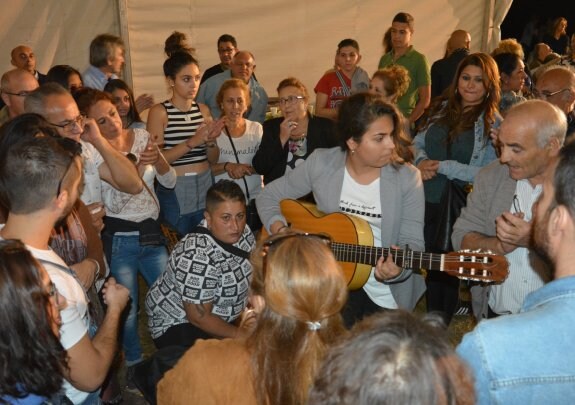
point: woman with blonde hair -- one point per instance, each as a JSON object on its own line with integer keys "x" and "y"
{"x": 239, "y": 140}
{"x": 557, "y": 38}
{"x": 391, "y": 83}
{"x": 290, "y": 139}
{"x": 300, "y": 290}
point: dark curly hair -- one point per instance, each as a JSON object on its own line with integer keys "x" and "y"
{"x": 32, "y": 359}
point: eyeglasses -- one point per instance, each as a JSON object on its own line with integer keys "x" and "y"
{"x": 279, "y": 239}
{"x": 516, "y": 206}
{"x": 74, "y": 149}
{"x": 68, "y": 126}
{"x": 23, "y": 93}
{"x": 544, "y": 94}
{"x": 290, "y": 100}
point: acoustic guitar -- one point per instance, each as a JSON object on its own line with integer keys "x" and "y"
{"x": 352, "y": 245}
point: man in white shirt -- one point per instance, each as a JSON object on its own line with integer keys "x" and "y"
{"x": 101, "y": 160}
{"x": 40, "y": 179}
{"x": 498, "y": 212}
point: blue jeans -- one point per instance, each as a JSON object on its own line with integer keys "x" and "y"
{"x": 183, "y": 206}
{"x": 129, "y": 258}
{"x": 170, "y": 211}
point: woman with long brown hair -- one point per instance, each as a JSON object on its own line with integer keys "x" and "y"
{"x": 453, "y": 144}
{"x": 298, "y": 290}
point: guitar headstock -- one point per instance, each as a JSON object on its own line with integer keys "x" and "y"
{"x": 485, "y": 267}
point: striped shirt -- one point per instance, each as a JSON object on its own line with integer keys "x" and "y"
{"x": 181, "y": 126}
{"x": 524, "y": 269}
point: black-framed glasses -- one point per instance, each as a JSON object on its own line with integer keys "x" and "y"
{"x": 544, "y": 94}
{"x": 290, "y": 100}
{"x": 516, "y": 205}
{"x": 275, "y": 241}
{"x": 68, "y": 126}
{"x": 74, "y": 149}
{"x": 23, "y": 93}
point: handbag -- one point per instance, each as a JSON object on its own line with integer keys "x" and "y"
{"x": 252, "y": 217}
{"x": 453, "y": 199}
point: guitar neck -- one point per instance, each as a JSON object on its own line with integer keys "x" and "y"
{"x": 345, "y": 252}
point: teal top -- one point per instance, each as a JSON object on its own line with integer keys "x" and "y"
{"x": 436, "y": 149}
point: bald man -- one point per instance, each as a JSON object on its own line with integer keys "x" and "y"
{"x": 16, "y": 84}
{"x": 23, "y": 58}
{"x": 242, "y": 67}
{"x": 498, "y": 212}
{"x": 443, "y": 70}
{"x": 557, "y": 86}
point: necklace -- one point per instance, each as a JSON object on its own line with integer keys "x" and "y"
{"x": 298, "y": 146}
{"x": 187, "y": 117}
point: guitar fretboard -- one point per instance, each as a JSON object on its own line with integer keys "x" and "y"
{"x": 403, "y": 258}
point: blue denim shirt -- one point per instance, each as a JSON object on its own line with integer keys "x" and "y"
{"x": 527, "y": 358}
{"x": 483, "y": 153}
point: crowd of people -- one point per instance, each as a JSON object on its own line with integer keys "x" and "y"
{"x": 95, "y": 193}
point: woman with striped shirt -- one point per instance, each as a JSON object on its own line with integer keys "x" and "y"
{"x": 188, "y": 143}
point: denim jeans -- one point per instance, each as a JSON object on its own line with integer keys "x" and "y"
{"x": 183, "y": 206}
{"x": 129, "y": 258}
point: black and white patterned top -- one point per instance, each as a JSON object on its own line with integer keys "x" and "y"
{"x": 200, "y": 271}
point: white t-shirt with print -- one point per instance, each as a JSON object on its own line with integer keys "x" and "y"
{"x": 246, "y": 147}
{"x": 364, "y": 202}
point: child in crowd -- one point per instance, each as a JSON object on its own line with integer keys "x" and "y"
{"x": 336, "y": 85}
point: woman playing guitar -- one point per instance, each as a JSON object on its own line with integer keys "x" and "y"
{"x": 369, "y": 176}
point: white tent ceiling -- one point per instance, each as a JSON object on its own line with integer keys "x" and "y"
{"x": 296, "y": 38}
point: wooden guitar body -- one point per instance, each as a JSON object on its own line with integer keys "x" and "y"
{"x": 340, "y": 227}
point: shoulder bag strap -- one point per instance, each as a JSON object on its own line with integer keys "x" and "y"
{"x": 226, "y": 246}
{"x": 346, "y": 89}
{"x": 237, "y": 160}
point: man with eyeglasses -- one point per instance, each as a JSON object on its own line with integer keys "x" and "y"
{"x": 242, "y": 67}
{"x": 527, "y": 358}
{"x": 557, "y": 86}
{"x": 101, "y": 160}
{"x": 498, "y": 214}
{"x": 227, "y": 47}
{"x": 40, "y": 180}
{"x": 16, "y": 85}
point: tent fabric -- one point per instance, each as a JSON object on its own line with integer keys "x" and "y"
{"x": 297, "y": 38}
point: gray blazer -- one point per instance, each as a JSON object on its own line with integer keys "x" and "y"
{"x": 492, "y": 195}
{"x": 401, "y": 197}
